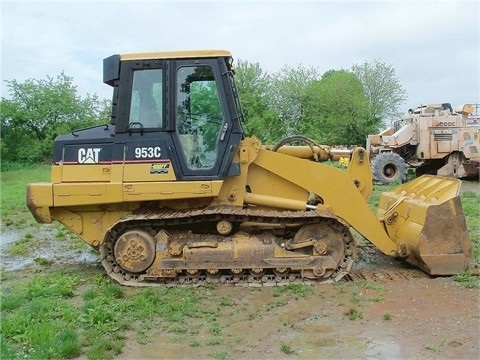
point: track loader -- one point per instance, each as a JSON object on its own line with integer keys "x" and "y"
{"x": 172, "y": 191}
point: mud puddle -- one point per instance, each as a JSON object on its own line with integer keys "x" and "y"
{"x": 32, "y": 244}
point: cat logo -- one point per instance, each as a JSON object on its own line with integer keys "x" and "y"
{"x": 88, "y": 155}
{"x": 160, "y": 168}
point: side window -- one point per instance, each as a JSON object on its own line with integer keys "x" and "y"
{"x": 146, "y": 107}
{"x": 199, "y": 116}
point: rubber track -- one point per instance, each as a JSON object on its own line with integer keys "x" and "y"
{"x": 159, "y": 219}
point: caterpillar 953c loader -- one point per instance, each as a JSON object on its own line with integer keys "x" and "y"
{"x": 171, "y": 191}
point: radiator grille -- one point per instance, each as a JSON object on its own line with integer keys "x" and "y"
{"x": 443, "y": 137}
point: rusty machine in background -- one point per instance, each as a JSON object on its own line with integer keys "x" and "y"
{"x": 433, "y": 139}
{"x": 171, "y": 190}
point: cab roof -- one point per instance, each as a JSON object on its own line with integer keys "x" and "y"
{"x": 176, "y": 54}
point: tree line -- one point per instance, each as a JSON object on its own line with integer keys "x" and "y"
{"x": 338, "y": 107}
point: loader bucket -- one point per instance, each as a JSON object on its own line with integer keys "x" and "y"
{"x": 425, "y": 218}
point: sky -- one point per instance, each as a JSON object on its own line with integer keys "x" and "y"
{"x": 434, "y": 46}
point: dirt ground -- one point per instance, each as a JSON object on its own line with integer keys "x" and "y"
{"x": 404, "y": 314}
{"x": 430, "y": 319}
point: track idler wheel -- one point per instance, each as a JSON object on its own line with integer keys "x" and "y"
{"x": 331, "y": 240}
{"x": 134, "y": 251}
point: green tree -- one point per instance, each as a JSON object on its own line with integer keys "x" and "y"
{"x": 382, "y": 88}
{"x": 288, "y": 95}
{"x": 337, "y": 110}
{"x": 39, "y": 110}
{"x": 253, "y": 87}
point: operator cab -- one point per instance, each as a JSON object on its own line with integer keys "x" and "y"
{"x": 180, "y": 107}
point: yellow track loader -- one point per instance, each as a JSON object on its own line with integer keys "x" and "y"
{"x": 172, "y": 191}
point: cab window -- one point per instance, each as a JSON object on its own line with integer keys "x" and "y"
{"x": 146, "y": 106}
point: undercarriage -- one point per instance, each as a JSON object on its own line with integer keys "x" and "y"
{"x": 245, "y": 246}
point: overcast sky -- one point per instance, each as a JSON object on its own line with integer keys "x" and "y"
{"x": 433, "y": 46}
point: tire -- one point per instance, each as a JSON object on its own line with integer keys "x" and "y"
{"x": 389, "y": 167}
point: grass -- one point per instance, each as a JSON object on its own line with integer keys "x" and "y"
{"x": 286, "y": 348}
{"x": 468, "y": 280}
{"x": 377, "y": 191}
{"x": 354, "y": 314}
{"x": 387, "y": 316}
{"x": 361, "y": 292}
{"x": 221, "y": 355}
{"x": 226, "y": 301}
{"x": 296, "y": 290}
{"x": 471, "y": 209}
{"x": 14, "y": 212}
{"x": 21, "y": 247}
{"x": 37, "y": 318}
{"x": 43, "y": 262}
{"x": 435, "y": 347}
{"x": 60, "y": 314}
{"x": 358, "y": 295}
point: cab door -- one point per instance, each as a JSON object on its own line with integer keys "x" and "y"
{"x": 202, "y": 121}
